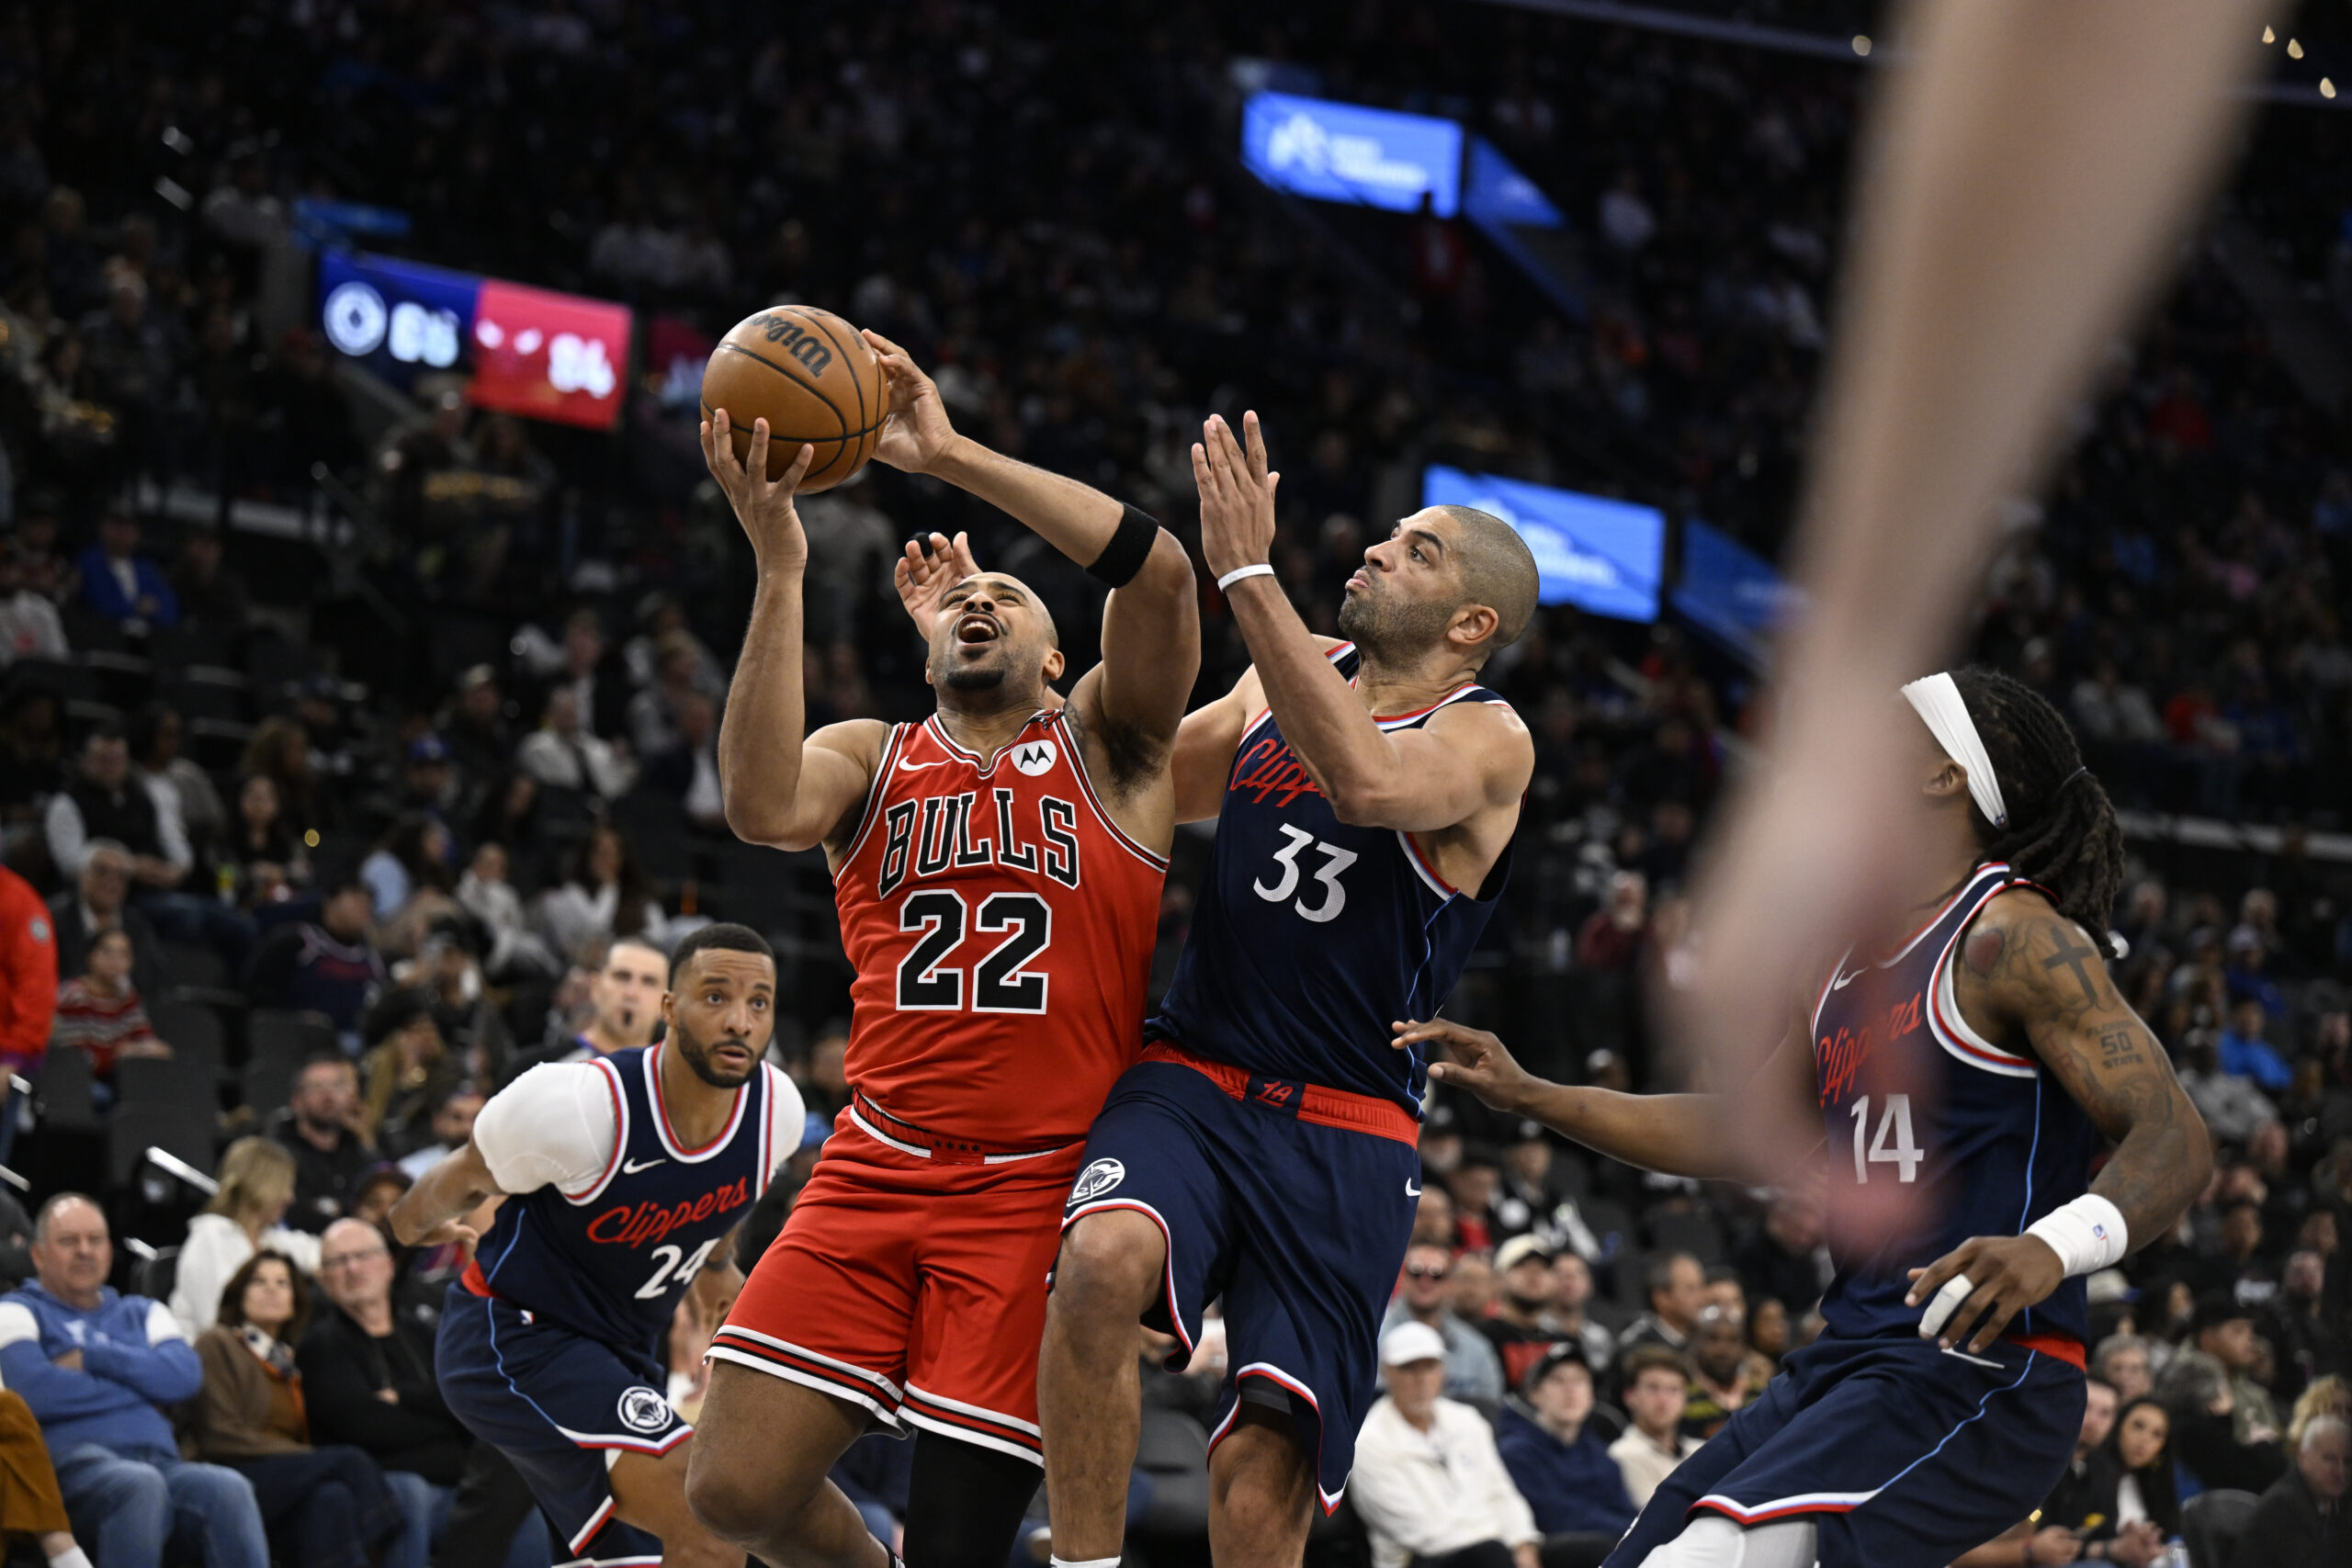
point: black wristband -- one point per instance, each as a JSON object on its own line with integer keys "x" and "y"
{"x": 1128, "y": 550}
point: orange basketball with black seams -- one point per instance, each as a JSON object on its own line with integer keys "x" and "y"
{"x": 812, "y": 377}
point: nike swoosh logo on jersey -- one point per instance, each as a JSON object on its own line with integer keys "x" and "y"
{"x": 1411, "y": 1191}
{"x": 632, "y": 1167}
{"x": 1840, "y": 982}
{"x": 914, "y": 767}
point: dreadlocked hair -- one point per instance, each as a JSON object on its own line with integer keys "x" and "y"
{"x": 2062, "y": 833}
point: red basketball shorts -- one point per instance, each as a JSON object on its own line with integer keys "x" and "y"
{"x": 912, "y": 1286}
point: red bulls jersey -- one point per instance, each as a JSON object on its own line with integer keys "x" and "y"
{"x": 1002, "y": 927}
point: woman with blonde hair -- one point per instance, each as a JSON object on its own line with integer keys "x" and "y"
{"x": 2330, "y": 1395}
{"x": 257, "y": 1179}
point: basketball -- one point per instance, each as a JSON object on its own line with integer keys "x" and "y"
{"x": 809, "y": 374}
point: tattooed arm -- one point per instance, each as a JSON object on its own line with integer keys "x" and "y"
{"x": 2029, "y": 972}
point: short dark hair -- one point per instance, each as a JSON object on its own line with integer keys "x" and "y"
{"x": 1497, "y": 570}
{"x": 1658, "y": 1273}
{"x": 232, "y": 1313}
{"x": 725, "y": 937}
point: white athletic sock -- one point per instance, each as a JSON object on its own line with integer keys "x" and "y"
{"x": 71, "y": 1557}
{"x": 1086, "y": 1563}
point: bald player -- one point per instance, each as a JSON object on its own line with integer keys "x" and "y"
{"x": 998, "y": 869}
{"x": 1265, "y": 1150}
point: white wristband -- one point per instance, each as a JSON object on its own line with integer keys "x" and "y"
{"x": 1238, "y": 572}
{"x": 2087, "y": 1234}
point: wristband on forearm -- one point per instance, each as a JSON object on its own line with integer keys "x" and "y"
{"x": 1129, "y": 547}
{"x": 2087, "y": 1234}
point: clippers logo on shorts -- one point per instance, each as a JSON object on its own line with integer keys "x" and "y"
{"x": 1034, "y": 757}
{"x": 1096, "y": 1180}
{"x": 642, "y": 1410}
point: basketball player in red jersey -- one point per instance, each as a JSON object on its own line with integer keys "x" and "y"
{"x": 998, "y": 869}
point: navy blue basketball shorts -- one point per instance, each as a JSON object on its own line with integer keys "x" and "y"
{"x": 1902, "y": 1455}
{"x": 1291, "y": 1202}
{"x": 564, "y": 1408}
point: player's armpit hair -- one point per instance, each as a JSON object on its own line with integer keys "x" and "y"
{"x": 2062, "y": 833}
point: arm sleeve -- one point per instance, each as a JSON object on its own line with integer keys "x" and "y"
{"x": 787, "y": 1118}
{"x": 557, "y": 1126}
{"x": 53, "y": 1392}
{"x": 28, "y": 982}
{"x": 165, "y": 1371}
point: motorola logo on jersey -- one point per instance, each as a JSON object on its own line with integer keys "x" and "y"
{"x": 1096, "y": 1180}
{"x": 634, "y": 1224}
{"x": 644, "y": 1410}
{"x": 940, "y": 833}
{"x": 1032, "y": 757}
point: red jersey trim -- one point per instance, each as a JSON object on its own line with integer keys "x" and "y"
{"x": 965, "y": 754}
{"x": 2061, "y": 1346}
{"x": 867, "y": 814}
{"x": 1324, "y": 1107}
{"x": 1086, "y": 787}
{"x": 1424, "y": 868}
{"x": 620, "y": 1135}
{"x": 662, "y": 1115}
{"x": 1456, "y": 695}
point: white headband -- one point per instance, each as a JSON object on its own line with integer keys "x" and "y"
{"x": 1937, "y": 701}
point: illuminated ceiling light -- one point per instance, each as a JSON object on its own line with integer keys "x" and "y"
{"x": 2269, "y": 37}
{"x": 2294, "y": 48}
{"x": 1862, "y": 44}
{"x": 2326, "y": 88}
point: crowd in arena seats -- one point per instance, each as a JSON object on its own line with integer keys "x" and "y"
{"x": 347, "y": 836}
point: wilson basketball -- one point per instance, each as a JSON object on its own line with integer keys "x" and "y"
{"x": 809, "y": 374}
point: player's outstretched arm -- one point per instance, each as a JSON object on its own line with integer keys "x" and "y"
{"x": 434, "y": 1211}
{"x": 1677, "y": 1135}
{"x": 1151, "y": 631}
{"x": 2032, "y": 969}
{"x": 1464, "y": 760}
{"x": 777, "y": 789}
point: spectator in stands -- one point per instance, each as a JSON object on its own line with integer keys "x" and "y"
{"x": 1610, "y": 938}
{"x": 122, "y": 585}
{"x": 27, "y": 992}
{"x": 2330, "y": 1395}
{"x": 2246, "y": 1054}
{"x": 688, "y": 768}
{"x": 1535, "y": 1180}
{"x": 181, "y": 788}
{"x": 95, "y": 903}
{"x": 256, "y": 1178}
{"x": 29, "y": 624}
{"x": 367, "y": 1382}
{"x": 2200, "y": 1405}
{"x": 105, "y": 800}
{"x": 1474, "y": 1373}
{"x": 280, "y": 752}
{"x": 562, "y": 754}
{"x": 324, "y": 1125}
{"x": 1523, "y": 1327}
{"x": 2136, "y": 1467}
{"x": 473, "y": 727}
{"x": 453, "y": 1123}
{"x": 1428, "y": 1482}
{"x": 1657, "y": 1389}
{"x": 2122, "y": 1362}
{"x": 625, "y": 1006}
{"x": 100, "y": 1015}
{"x": 212, "y": 597}
{"x": 323, "y": 1507}
{"x": 408, "y": 1069}
{"x": 2232, "y": 1108}
{"x": 2301, "y": 1521}
{"x": 271, "y": 862}
{"x": 1561, "y": 1465}
{"x": 595, "y": 675}
{"x": 516, "y": 951}
{"x": 604, "y": 895}
{"x": 1571, "y": 1296}
{"x": 1678, "y": 1294}
{"x": 327, "y": 966}
{"x": 2224, "y": 1330}
{"x": 654, "y": 712}
{"x": 30, "y": 1503}
{"x": 408, "y": 878}
{"x": 1768, "y": 1331}
{"x": 1723, "y": 1377}
{"x": 2083, "y": 1502}
{"x": 101, "y": 1371}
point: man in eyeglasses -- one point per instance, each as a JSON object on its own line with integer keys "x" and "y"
{"x": 1474, "y": 1375}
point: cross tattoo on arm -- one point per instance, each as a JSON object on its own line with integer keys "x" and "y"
{"x": 2070, "y": 956}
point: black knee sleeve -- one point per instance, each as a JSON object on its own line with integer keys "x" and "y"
{"x": 964, "y": 1503}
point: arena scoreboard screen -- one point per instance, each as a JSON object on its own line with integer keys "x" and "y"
{"x": 1337, "y": 152}
{"x": 1599, "y": 555}
{"x": 527, "y": 350}
{"x": 1731, "y": 592}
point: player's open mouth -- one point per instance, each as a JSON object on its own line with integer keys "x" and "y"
{"x": 1359, "y": 580}
{"x": 977, "y": 627}
{"x": 731, "y": 1055}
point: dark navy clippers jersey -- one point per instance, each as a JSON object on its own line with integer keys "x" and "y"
{"x": 610, "y": 1262}
{"x": 1910, "y": 1093}
{"x": 1312, "y": 935}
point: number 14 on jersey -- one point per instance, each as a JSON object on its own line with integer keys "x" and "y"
{"x": 1891, "y": 1145}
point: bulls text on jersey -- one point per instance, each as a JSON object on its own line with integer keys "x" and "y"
{"x": 953, "y": 837}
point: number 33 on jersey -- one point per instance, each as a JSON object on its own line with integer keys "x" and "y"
{"x": 1001, "y": 926}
